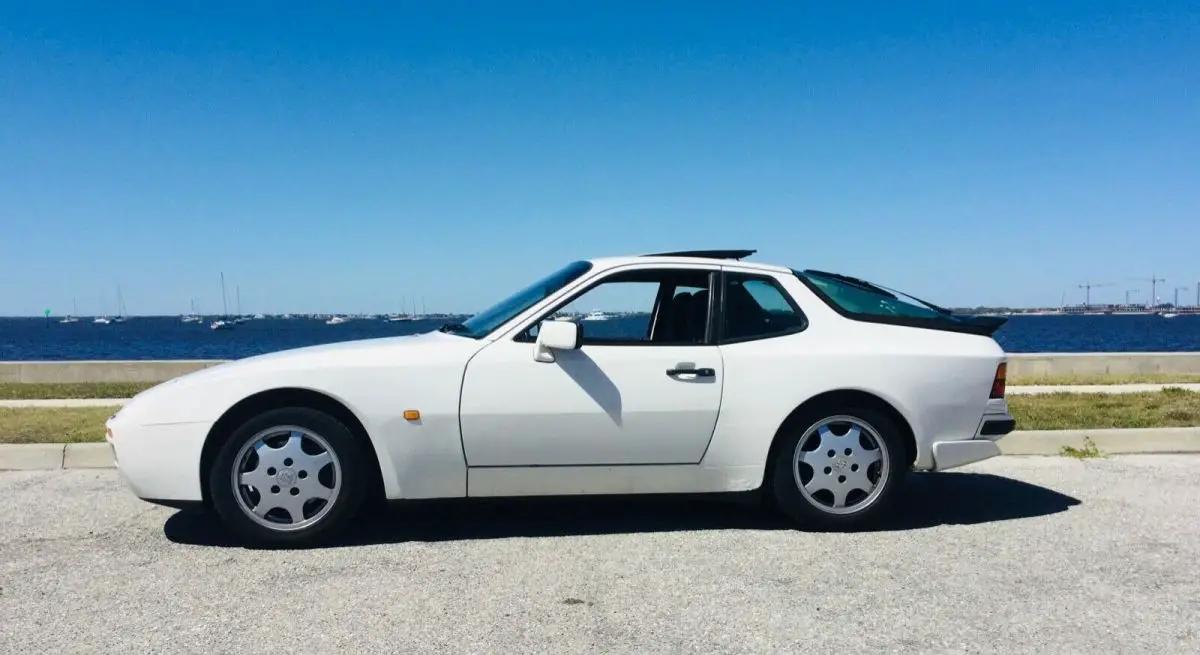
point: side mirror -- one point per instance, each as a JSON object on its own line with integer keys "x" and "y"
{"x": 557, "y": 335}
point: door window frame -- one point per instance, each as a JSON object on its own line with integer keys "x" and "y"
{"x": 713, "y": 274}
{"x": 719, "y": 296}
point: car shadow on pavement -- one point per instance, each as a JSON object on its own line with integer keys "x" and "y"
{"x": 929, "y": 500}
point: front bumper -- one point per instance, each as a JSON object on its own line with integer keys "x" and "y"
{"x": 994, "y": 425}
{"x": 160, "y": 463}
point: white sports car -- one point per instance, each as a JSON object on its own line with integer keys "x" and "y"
{"x": 821, "y": 390}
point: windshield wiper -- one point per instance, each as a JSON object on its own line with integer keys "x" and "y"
{"x": 453, "y": 328}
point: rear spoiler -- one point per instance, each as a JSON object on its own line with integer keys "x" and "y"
{"x": 982, "y": 325}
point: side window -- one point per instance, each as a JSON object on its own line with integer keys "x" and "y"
{"x": 651, "y": 307}
{"x": 756, "y": 307}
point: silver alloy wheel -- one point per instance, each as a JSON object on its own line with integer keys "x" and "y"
{"x": 286, "y": 478}
{"x": 841, "y": 471}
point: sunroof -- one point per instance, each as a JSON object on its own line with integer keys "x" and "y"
{"x": 706, "y": 254}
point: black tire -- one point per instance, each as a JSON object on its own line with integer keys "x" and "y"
{"x": 785, "y": 490}
{"x": 345, "y": 447}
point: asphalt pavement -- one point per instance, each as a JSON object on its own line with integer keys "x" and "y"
{"x": 1010, "y": 555}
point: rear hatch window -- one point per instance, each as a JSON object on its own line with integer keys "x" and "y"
{"x": 858, "y": 299}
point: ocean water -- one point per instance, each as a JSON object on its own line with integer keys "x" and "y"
{"x": 25, "y": 339}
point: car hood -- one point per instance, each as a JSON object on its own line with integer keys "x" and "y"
{"x": 426, "y": 348}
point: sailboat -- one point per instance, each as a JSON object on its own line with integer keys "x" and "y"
{"x": 222, "y": 323}
{"x": 70, "y": 318}
{"x": 239, "y": 318}
{"x": 194, "y": 316}
{"x": 397, "y": 318}
{"x": 120, "y": 317}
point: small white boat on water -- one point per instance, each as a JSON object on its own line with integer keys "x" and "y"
{"x": 596, "y": 315}
{"x": 102, "y": 320}
{"x": 337, "y": 320}
{"x": 222, "y": 323}
{"x": 192, "y": 316}
{"x": 70, "y": 318}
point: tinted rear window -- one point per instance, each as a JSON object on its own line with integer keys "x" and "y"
{"x": 863, "y": 300}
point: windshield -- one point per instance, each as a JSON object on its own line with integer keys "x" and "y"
{"x": 485, "y": 322}
{"x": 859, "y": 297}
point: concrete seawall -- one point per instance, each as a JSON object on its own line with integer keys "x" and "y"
{"x": 101, "y": 371}
{"x": 1019, "y": 365}
{"x": 1034, "y": 364}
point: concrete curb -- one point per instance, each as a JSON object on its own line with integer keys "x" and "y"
{"x": 1020, "y": 390}
{"x": 49, "y": 456}
{"x": 1109, "y": 442}
{"x": 65, "y": 402}
{"x": 31, "y": 457}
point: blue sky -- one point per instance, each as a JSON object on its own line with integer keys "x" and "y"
{"x": 339, "y": 159}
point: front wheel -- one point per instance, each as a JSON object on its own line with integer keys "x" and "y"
{"x": 292, "y": 476}
{"x": 841, "y": 470}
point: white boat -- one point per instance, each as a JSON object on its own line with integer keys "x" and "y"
{"x": 193, "y": 316}
{"x": 337, "y": 320}
{"x": 398, "y": 318}
{"x": 70, "y": 318}
{"x": 120, "y": 317}
{"x": 1169, "y": 315}
{"x": 596, "y": 315}
{"x": 102, "y": 320}
{"x": 222, "y": 323}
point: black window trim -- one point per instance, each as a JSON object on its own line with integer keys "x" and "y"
{"x": 710, "y": 336}
{"x": 719, "y": 327}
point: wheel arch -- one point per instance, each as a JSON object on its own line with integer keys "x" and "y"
{"x": 832, "y": 400}
{"x": 280, "y": 398}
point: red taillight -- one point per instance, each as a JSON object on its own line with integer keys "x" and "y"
{"x": 998, "y": 381}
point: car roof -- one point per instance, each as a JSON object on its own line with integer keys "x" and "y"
{"x": 690, "y": 257}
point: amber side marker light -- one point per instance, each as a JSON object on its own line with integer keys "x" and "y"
{"x": 412, "y": 415}
{"x": 998, "y": 381}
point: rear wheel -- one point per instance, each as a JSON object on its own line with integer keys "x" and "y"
{"x": 840, "y": 469}
{"x": 292, "y": 476}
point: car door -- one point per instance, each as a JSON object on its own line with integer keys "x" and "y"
{"x": 644, "y": 388}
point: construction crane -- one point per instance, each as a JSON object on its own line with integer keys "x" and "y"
{"x": 1153, "y": 280}
{"x": 1087, "y": 302}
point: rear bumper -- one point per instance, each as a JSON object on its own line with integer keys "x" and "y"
{"x": 159, "y": 463}
{"x": 953, "y": 454}
{"x": 996, "y": 423}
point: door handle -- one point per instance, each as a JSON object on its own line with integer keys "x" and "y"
{"x": 698, "y": 372}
